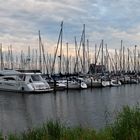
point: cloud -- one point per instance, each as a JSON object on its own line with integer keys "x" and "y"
{"x": 110, "y": 20}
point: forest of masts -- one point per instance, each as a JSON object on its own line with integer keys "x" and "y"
{"x": 121, "y": 60}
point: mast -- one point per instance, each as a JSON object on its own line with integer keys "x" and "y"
{"x": 28, "y": 58}
{"x": 95, "y": 53}
{"x": 121, "y": 56}
{"x": 47, "y": 61}
{"x": 59, "y": 38}
{"x": 96, "y": 57}
{"x": 8, "y": 58}
{"x": 88, "y": 54}
{"x": 116, "y": 64}
{"x": 64, "y": 65}
{"x": 44, "y": 60}
{"x": 21, "y": 60}
{"x": 60, "y": 65}
{"x": 44, "y": 68}
{"x": 36, "y": 59}
{"x": 1, "y": 53}
{"x": 102, "y": 58}
{"x": 123, "y": 59}
{"x": 70, "y": 63}
{"x": 98, "y": 53}
{"x": 40, "y": 54}
{"x": 11, "y": 56}
{"x": 138, "y": 62}
{"x": 132, "y": 61}
{"x": 106, "y": 59}
{"x": 76, "y": 55}
{"x": 32, "y": 59}
{"x": 128, "y": 66}
{"x": 111, "y": 61}
{"x": 83, "y": 44}
{"x": 17, "y": 66}
{"x": 67, "y": 66}
{"x": 135, "y": 58}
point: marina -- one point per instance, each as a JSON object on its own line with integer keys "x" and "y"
{"x": 69, "y": 70}
{"x": 33, "y": 81}
{"x": 86, "y": 87}
{"x": 36, "y": 71}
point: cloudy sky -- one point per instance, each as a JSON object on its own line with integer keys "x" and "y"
{"x": 111, "y": 20}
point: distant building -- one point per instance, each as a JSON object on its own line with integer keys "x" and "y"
{"x": 96, "y": 68}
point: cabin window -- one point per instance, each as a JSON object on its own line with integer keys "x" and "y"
{"x": 30, "y": 81}
{"x": 35, "y": 77}
{"x": 22, "y": 77}
{"x": 9, "y": 78}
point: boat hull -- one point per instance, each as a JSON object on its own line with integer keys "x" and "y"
{"x": 26, "y": 92}
{"x": 115, "y": 83}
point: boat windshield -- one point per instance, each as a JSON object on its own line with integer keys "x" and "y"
{"x": 22, "y": 77}
{"x": 36, "y": 77}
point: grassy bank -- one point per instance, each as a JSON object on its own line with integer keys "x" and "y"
{"x": 125, "y": 127}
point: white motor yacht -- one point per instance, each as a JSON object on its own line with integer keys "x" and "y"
{"x": 23, "y": 82}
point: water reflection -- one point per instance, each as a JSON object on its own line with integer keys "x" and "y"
{"x": 91, "y": 108}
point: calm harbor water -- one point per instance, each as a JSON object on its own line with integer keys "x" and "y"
{"x": 92, "y": 108}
